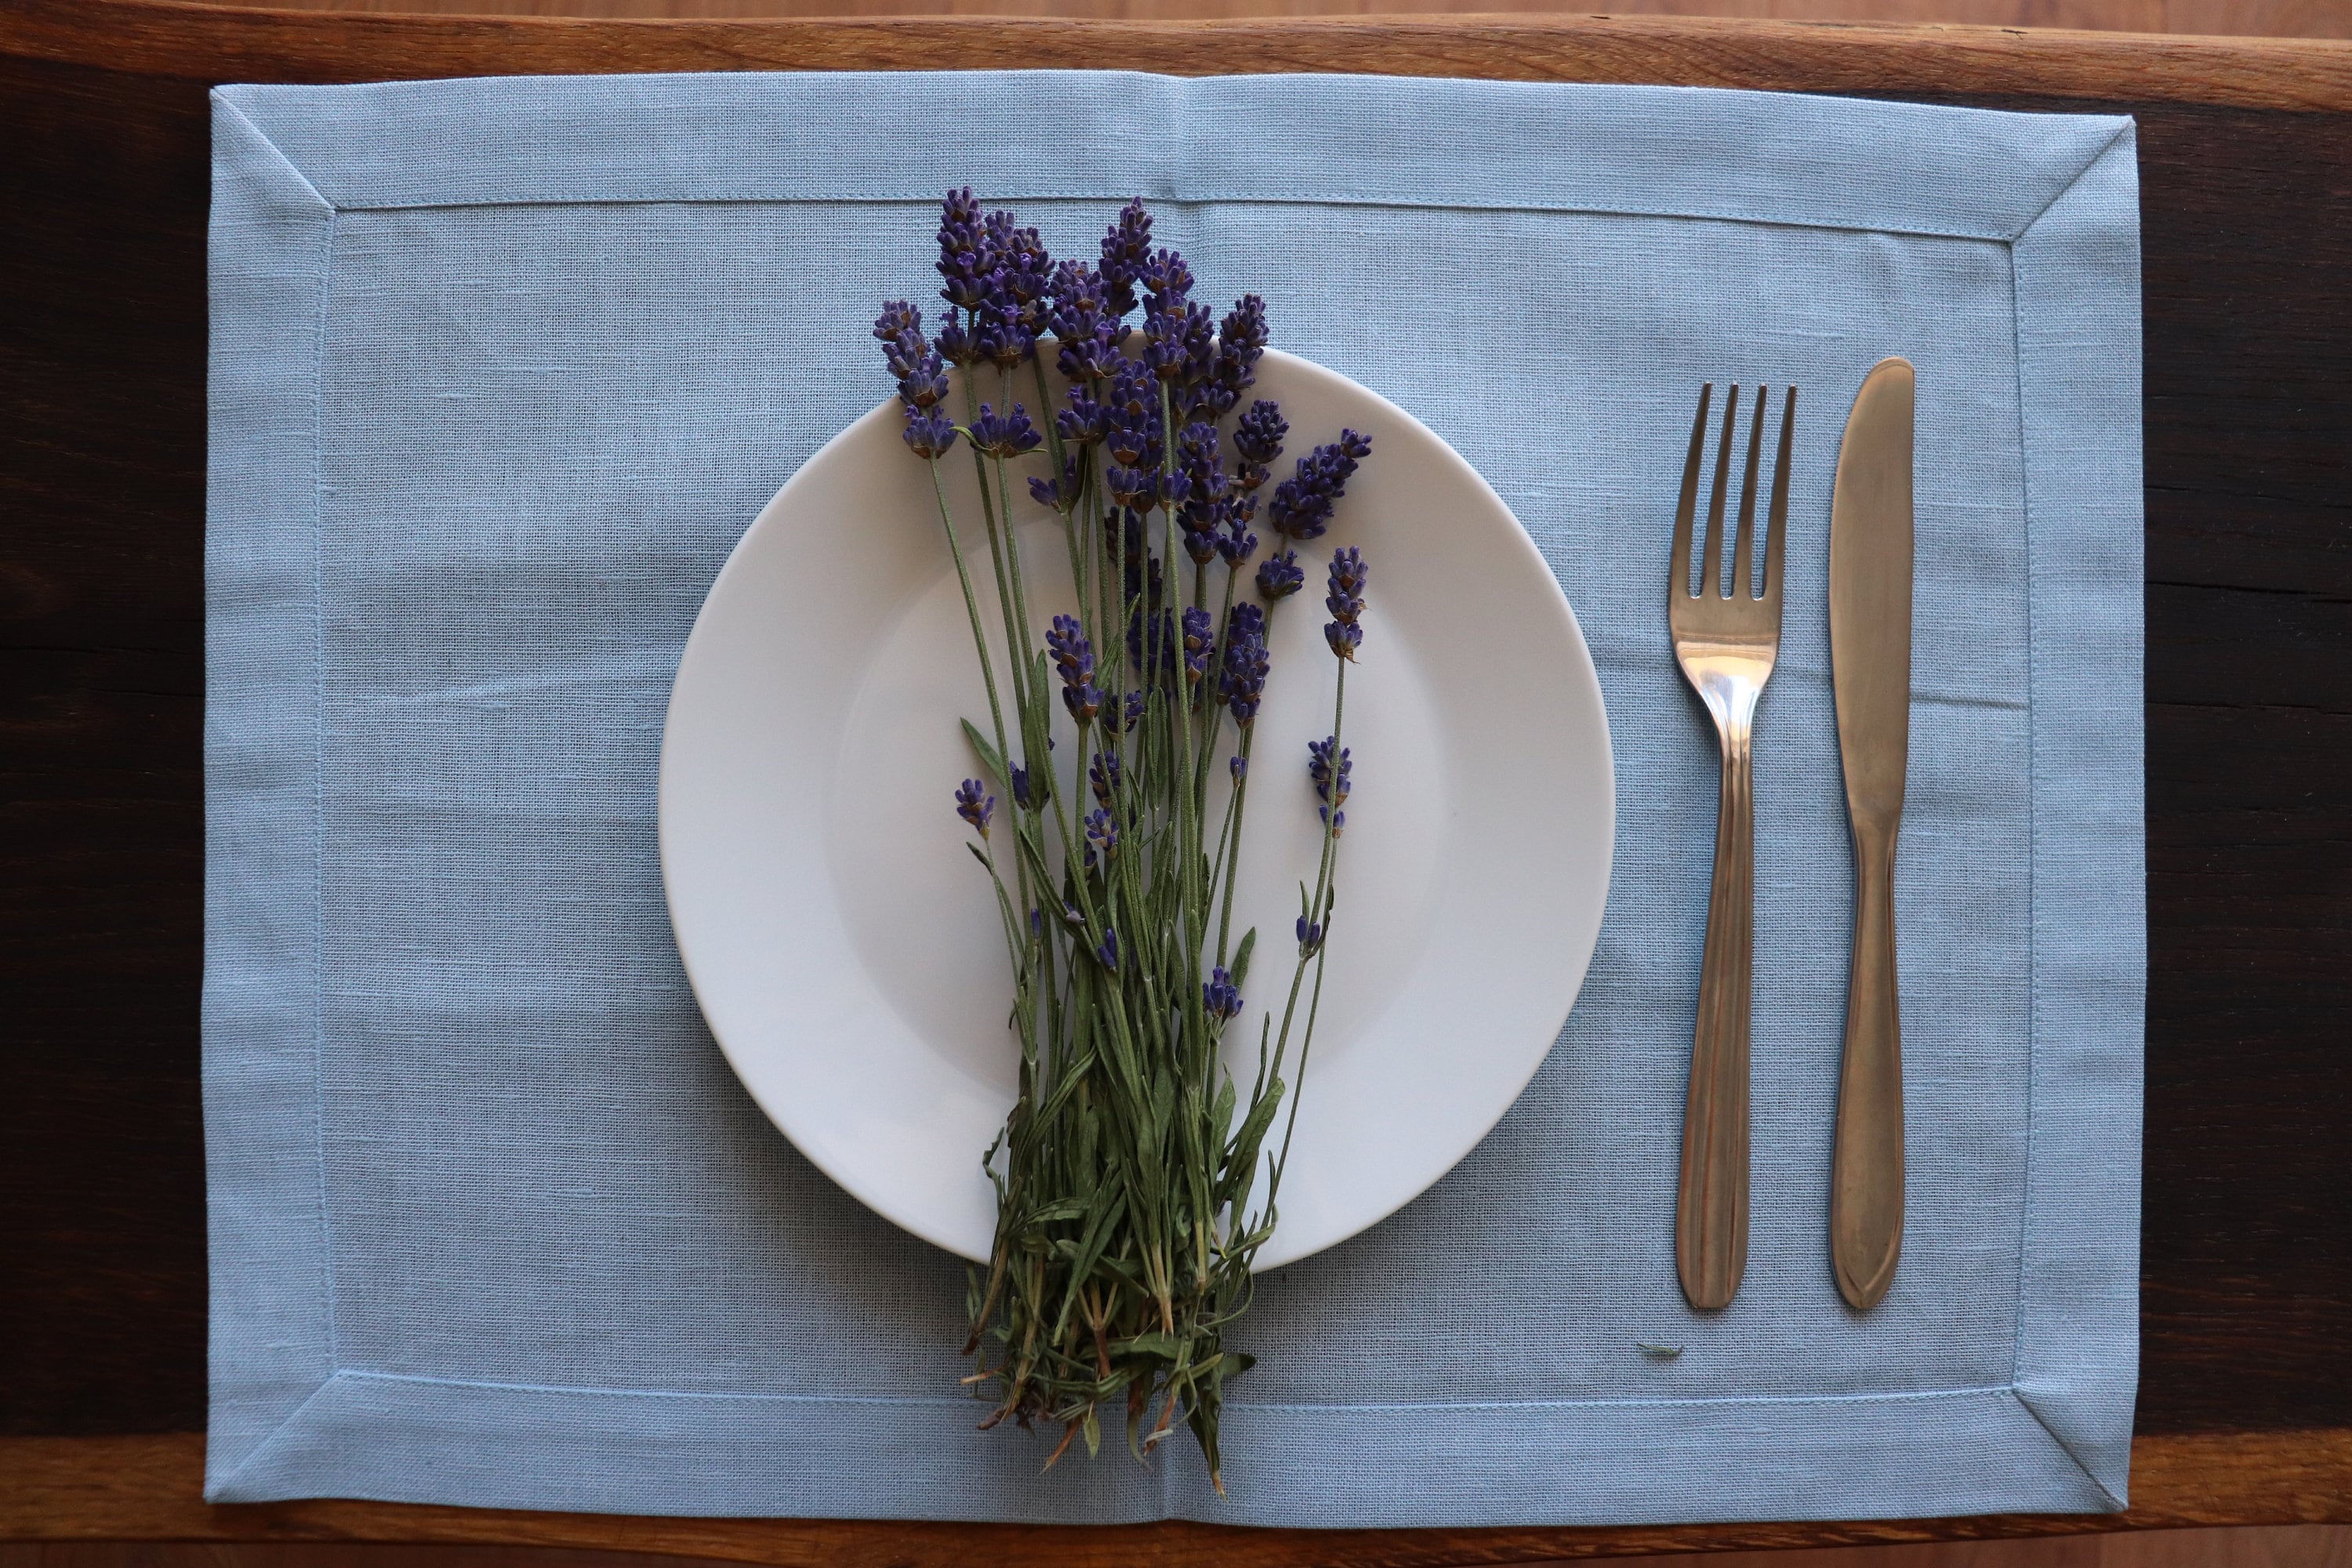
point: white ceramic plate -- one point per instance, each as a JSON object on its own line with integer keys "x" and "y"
{"x": 845, "y": 949}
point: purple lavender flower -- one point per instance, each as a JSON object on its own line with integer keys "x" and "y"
{"x": 1151, "y": 640}
{"x": 1259, "y": 433}
{"x": 1310, "y": 937}
{"x": 1129, "y": 713}
{"x": 975, "y": 806}
{"x": 922, "y": 377}
{"x": 1082, "y": 421}
{"x": 1027, "y": 274}
{"x": 1246, "y": 663}
{"x": 1239, "y": 766}
{"x": 1179, "y": 343}
{"x": 1279, "y": 575}
{"x": 1346, "y": 602}
{"x": 1301, "y": 508}
{"x": 1131, "y": 488}
{"x": 1125, "y": 251}
{"x": 1123, "y": 530}
{"x": 898, "y": 319}
{"x": 1346, "y": 598}
{"x": 1060, "y": 493}
{"x": 1003, "y": 434}
{"x": 1131, "y": 417}
{"x": 1204, "y": 471}
{"x": 964, "y": 259}
{"x": 1081, "y": 321}
{"x": 1102, "y": 838}
{"x": 1074, "y": 655}
{"x": 1237, "y": 544}
{"x": 1108, "y": 954}
{"x": 1219, "y": 997}
{"x": 1166, "y": 278}
{"x": 929, "y": 432}
{"x": 1232, "y": 371}
{"x": 1032, "y": 791}
{"x": 1104, "y": 777}
{"x": 1202, "y": 538}
{"x": 1198, "y": 644}
{"x": 1330, "y": 789}
{"x": 998, "y": 335}
{"x": 955, "y": 344}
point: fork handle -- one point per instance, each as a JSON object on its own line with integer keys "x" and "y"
{"x": 1711, "y": 1209}
{"x": 1866, "y": 1178}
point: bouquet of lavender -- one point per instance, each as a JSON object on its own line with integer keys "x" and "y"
{"x": 1129, "y": 1195}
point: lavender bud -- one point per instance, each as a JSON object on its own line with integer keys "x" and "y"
{"x": 1346, "y": 599}
{"x": 1102, "y": 838}
{"x": 1237, "y": 544}
{"x": 924, "y": 383}
{"x": 1125, "y": 251}
{"x": 1129, "y": 713}
{"x": 1108, "y": 954}
{"x": 1059, "y": 494}
{"x": 1246, "y": 663}
{"x": 1279, "y": 575}
{"x": 1166, "y": 278}
{"x": 1006, "y": 434}
{"x": 897, "y": 317}
{"x": 1239, "y": 766}
{"x": 929, "y": 432}
{"x": 1104, "y": 776}
{"x": 1301, "y": 508}
{"x": 974, "y": 806}
{"x": 1310, "y": 937}
{"x": 1259, "y": 434}
{"x": 1084, "y": 422}
{"x": 955, "y": 344}
{"x": 1131, "y": 488}
{"x": 1198, "y": 645}
{"x": 1220, "y": 998}
{"x": 1073, "y": 656}
{"x": 1131, "y": 420}
{"x": 1331, "y": 790}
{"x": 964, "y": 259}
{"x": 1202, "y": 541}
{"x": 1345, "y": 638}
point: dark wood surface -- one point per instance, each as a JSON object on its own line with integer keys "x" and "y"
{"x": 2247, "y": 222}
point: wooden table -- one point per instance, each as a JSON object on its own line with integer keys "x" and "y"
{"x": 2245, "y": 1408}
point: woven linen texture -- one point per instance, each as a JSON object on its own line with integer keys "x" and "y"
{"x": 502, "y": 369}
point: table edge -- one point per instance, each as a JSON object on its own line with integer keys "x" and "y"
{"x": 149, "y": 1487}
{"x": 187, "y": 40}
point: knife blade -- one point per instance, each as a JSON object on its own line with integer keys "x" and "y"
{"x": 1869, "y": 654}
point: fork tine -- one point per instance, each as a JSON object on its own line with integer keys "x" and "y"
{"x": 1711, "y": 580}
{"x": 1742, "y": 584}
{"x": 1776, "y": 532}
{"x": 1678, "y": 573}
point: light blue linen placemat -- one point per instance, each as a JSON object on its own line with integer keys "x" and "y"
{"x": 502, "y": 369}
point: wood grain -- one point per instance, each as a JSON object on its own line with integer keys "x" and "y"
{"x": 169, "y": 38}
{"x": 2244, "y": 18}
{"x": 146, "y": 1489}
{"x": 2247, "y": 200}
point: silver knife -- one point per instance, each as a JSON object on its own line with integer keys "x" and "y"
{"x": 1870, "y": 652}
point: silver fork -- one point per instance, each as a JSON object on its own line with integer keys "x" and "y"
{"x": 1725, "y": 639}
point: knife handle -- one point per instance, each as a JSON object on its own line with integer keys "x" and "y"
{"x": 1866, "y": 1178}
{"x": 1711, "y": 1208}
